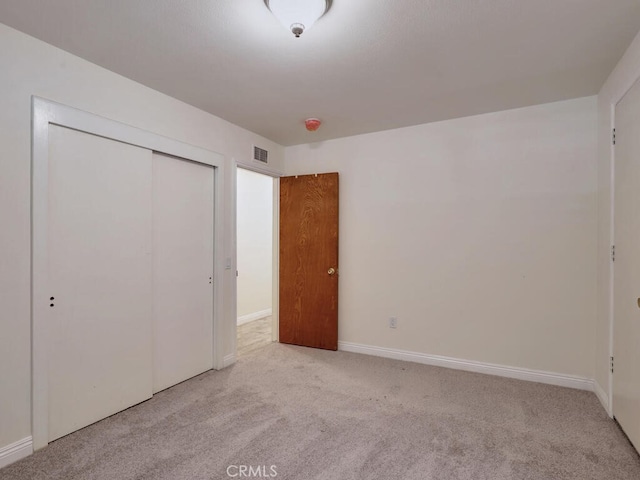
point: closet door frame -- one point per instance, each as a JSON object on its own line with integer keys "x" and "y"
{"x": 45, "y": 113}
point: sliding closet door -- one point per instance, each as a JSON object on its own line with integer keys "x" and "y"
{"x": 183, "y": 203}
{"x": 100, "y": 274}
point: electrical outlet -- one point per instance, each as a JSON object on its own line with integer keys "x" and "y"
{"x": 393, "y": 322}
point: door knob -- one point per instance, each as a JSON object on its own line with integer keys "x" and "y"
{"x": 331, "y": 271}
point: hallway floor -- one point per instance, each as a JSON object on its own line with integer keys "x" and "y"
{"x": 254, "y": 335}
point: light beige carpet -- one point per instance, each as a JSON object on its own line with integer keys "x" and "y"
{"x": 254, "y": 335}
{"x": 315, "y": 414}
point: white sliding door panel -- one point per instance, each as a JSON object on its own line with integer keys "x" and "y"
{"x": 183, "y": 215}
{"x": 100, "y": 267}
{"x": 626, "y": 337}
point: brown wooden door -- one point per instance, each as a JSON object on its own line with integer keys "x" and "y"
{"x": 309, "y": 260}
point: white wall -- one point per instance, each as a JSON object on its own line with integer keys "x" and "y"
{"x": 254, "y": 240}
{"x": 31, "y": 67}
{"x": 621, "y": 79}
{"x": 479, "y": 234}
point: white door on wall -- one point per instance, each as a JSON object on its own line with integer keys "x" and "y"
{"x": 626, "y": 337}
{"x": 100, "y": 246}
{"x": 183, "y": 210}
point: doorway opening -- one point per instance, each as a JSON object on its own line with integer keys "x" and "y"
{"x": 254, "y": 233}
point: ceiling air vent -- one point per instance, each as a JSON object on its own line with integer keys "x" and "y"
{"x": 260, "y": 154}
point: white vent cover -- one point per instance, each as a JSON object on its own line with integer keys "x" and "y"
{"x": 260, "y": 154}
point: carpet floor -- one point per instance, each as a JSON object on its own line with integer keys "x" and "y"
{"x": 253, "y": 335}
{"x": 303, "y": 414}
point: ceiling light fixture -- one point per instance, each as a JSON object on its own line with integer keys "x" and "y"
{"x": 298, "y": 15}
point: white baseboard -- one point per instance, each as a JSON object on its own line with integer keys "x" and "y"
{"x": 250, "y": 317}
{"x": 16, "y": 451}
{"x": 550, "y": 378}
{"x": 602, "y": 396}
{"x": 228, "y": 360}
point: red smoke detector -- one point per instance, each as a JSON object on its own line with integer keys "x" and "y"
{"x": 312, "y": 124}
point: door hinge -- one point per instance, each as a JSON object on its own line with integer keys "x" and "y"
{"x": 613, "y": 253}
{"x": 613, "y": 136}
{"x": 611, "y": 364}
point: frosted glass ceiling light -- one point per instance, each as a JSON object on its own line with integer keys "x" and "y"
{"x": 298, "y": 15}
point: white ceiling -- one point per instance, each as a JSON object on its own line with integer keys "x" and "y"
{"x": 367, "y": 65}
